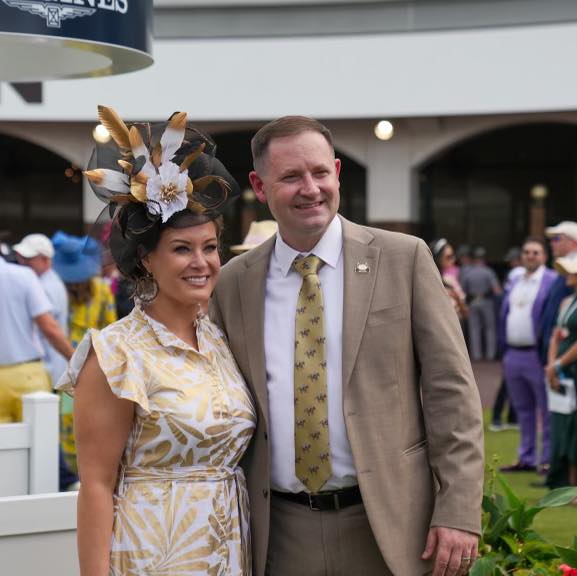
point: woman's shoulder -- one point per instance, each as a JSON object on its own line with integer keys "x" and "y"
{"x": 123, "y": 329}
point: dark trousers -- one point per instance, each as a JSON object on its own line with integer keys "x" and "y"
{"x": 501, "y": 399}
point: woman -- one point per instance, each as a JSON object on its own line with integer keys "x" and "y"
{"x": 562, "y": 363}
{"x": 78, "y": 262}
{"x": 91, "y": 305}
{"x": 444, "y": 257}
{"x": 162, "y": 413}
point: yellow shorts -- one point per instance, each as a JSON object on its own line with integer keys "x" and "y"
{"x": 17, "y": 380}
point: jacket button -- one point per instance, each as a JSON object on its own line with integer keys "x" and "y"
{"x": 266, "y": 436}
{"x": 265, "y": 492}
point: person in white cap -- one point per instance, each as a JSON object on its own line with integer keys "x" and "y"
{"x": 25, "y": 311}
{"x": 563, "y": 242}
{"x": 36, "y": 251}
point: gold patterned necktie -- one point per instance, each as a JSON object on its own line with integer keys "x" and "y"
{"x": 312, "y": 454}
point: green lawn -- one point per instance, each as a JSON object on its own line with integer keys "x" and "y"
{"x": 558, "y": 525}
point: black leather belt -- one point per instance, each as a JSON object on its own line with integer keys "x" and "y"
{"x": 324, "y": 501}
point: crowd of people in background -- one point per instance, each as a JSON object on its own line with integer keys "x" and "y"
{"x": 527, "y": 320}
{"x": 56, "y": 289}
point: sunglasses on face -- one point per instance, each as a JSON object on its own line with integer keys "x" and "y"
{"x": 556, "y": 238}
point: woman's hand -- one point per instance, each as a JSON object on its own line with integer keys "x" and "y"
{"x": 552, "y": 378}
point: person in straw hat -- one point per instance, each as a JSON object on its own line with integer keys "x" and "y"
{"x": 258, "y": 232}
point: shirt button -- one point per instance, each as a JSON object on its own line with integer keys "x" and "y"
{"x": 265, "y": 492}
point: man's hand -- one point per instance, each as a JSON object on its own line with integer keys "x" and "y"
{"x": 454, "y": 551}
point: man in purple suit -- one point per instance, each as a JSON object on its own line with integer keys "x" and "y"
{"x": 520, "y": 320}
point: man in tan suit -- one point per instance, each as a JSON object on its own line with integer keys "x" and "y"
{"x": 391, "y": 479}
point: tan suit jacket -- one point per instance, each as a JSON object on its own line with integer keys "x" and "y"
{"x": 411, "y": 406}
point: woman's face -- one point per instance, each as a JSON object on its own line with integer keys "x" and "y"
{"x": 447, "y": 257}
{"x": 186, "y": 264}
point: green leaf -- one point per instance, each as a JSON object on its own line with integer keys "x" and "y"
{"x": 484, "y": 567}
{"x": 558, "y": 497}
{"x": 568, "y": 555}
{"x": 513, "y": 500}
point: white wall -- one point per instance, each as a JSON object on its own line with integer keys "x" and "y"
{"x": 486, "y": 71}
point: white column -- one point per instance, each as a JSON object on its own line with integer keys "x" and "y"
{"x": 40, "y": 412}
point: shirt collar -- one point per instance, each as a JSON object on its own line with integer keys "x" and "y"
{"x": 160, "y": 331}
{"x": 328, "y": 248}
{"x": 537, "y": 275}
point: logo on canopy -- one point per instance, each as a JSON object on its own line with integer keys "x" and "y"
{"x": 54, "y": 12}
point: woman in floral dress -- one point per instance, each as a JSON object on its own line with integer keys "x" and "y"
{"x": 162, "y": 413}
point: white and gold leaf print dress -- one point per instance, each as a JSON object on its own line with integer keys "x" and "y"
{"x": 181, "y": 505}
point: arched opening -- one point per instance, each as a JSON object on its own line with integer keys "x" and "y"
{"x": 39, "y": 191}
{"x": 233, "y": 149}
{"x": 479, "y": 191}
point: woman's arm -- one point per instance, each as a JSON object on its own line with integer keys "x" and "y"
{"x": 102, "y": 423}
{"x": 550, "y": 373}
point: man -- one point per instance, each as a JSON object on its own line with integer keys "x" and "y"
{"x": 563, "y": 242}
{"x": 24, "y": 313}
{"x": 36, "y": 252}
{"x": 480, "y": 284}
{"x": 388, "y": 476}
{"x": 521, "y": 314}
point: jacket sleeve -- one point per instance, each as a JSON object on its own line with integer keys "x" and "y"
{"x": 451, "y": 403}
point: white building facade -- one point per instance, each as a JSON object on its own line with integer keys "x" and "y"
{"x": 445, "y": 73}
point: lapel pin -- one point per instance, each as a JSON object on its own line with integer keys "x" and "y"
{"x": 362, "y": 268}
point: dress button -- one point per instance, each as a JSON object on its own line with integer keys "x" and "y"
{"x": 265, "y": 492}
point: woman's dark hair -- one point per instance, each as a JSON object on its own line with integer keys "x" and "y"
{"x": 437, "y": 248}
{"x": 134, "y": 235}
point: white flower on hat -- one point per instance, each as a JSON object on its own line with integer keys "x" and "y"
{"x": 166, "y": 191}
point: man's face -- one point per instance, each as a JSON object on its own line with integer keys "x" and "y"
{"x": 39, "y": 264}
{"x": 562, "y": 245}
{"x": 532, "y": 256}
{"x": 299, "y": 180}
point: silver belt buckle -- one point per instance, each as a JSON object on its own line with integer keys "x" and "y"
{"x": 311, "y": 505}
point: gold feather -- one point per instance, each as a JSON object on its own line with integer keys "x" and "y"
{"x": 177, "y": 121}
{"x": 196, "y": 207}
{"x": 189, "y": 187}
{"x": 136, "y": 143}
{"x": 141, "y": 178}
{"x": 95, "y": 176}
{"x": 115, "y": 125}
{"x": 157, "y": 155}
{"x": 202, "y": 183}
{"x": 126, "y": 166}
{"x": 192, "y": 157}
{"x": 138, "y": 190}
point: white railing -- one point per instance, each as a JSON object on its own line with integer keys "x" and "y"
{"x": 37, "y": 524}
{"x": 29, "y": 449}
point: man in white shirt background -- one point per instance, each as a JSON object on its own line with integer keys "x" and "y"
{"x": 36, "y": 251}
{"x": 520, "y": 321}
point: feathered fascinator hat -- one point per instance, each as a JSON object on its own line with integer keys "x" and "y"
{"x": 169, "y": 167}
{"x": 148, "y": 173}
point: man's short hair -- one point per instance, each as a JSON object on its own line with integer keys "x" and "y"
{"x": 536, "y": 240}
{"x": 283, "y": 127}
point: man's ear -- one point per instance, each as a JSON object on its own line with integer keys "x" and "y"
{"x": 338, "y": 166}
{"x": 258, "y": 186}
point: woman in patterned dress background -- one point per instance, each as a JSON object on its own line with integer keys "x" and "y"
{"x": 162, "y": 413}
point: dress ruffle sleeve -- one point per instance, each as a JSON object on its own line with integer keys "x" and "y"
{"x": 125, "y": 376}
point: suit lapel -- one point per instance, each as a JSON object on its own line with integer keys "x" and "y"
{"x": 358, "y": 289}
{"x": 252, "y": 286}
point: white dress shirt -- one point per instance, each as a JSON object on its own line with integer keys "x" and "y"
{"x": 282, "y": 289}
{"x": 520, "y": 329}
